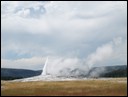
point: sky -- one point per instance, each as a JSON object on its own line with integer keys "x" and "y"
{"x": 72, "y": 34}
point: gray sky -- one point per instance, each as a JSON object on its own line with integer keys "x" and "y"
{"x": 72, "y": 34}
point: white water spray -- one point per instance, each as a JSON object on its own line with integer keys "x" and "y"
{"x": 44, "y": 72}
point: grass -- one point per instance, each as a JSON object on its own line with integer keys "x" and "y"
{"x": 113, "y": 87}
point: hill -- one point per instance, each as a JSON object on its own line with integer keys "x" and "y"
{"x": 9, "y": 73}
{"x": 108, "y": 71}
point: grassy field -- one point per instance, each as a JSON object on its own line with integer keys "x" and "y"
{"x": 115, "y": 86}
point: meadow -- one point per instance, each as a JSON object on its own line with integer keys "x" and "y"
{"x": 93, "y": 87}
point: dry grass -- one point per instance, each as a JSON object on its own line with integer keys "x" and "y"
{"x": 82, "y": 87}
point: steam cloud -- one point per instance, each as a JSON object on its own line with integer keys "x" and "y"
{"x": 76, "y": 67}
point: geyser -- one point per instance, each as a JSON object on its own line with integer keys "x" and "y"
{"x": 44, "y": 72}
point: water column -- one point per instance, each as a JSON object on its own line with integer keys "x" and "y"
{"x": 44, "y": 72}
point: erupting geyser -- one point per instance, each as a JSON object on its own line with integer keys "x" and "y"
{"x": 44, "y": 72}
{"x": 44, "y": 76}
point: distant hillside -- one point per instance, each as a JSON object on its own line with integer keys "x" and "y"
{"x": 9, "y": 74}
{"x": 106, "y": 71}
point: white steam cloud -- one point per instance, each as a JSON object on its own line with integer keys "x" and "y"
{"x": 102, "y": 54}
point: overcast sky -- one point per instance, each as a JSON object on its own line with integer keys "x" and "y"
{"x": 70, "y": 33}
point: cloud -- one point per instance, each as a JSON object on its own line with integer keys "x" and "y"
{"x": 103, "y": 55}
{"x": 110, "y": 53}
{"x": 33, "y": 12}
{"x": 81, "y": 30}
{"x": 100, "y": 55}
{"x": 24, "y": 63}
{"x": 23, "y": 9}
